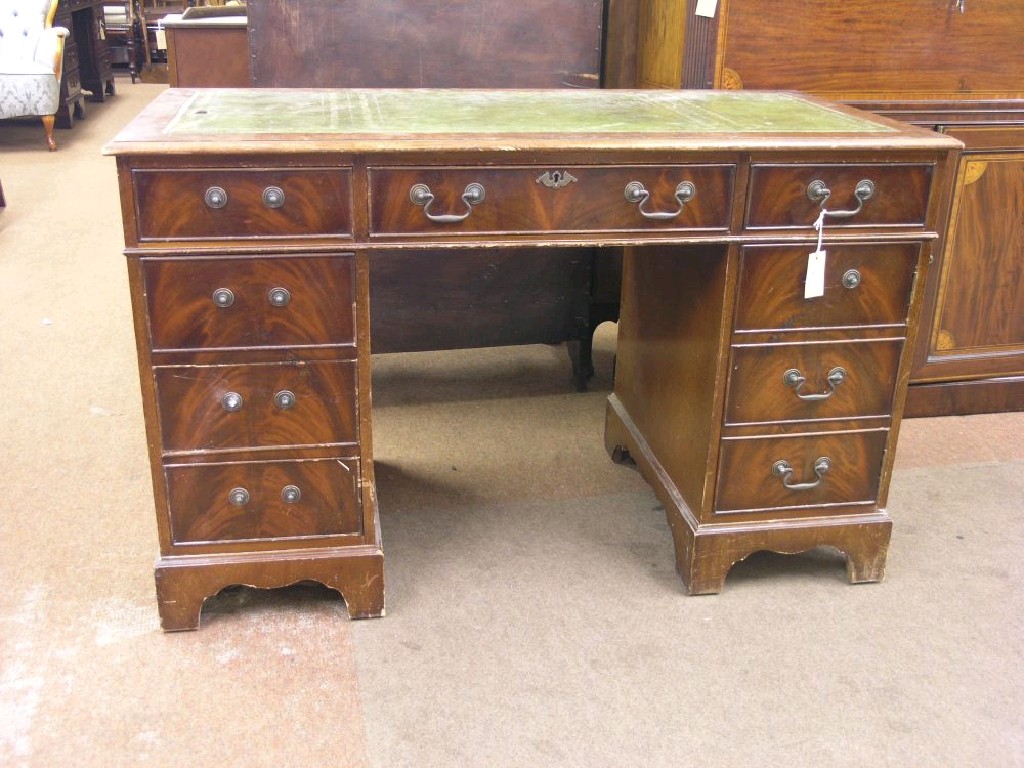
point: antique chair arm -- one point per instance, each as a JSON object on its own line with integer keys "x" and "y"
{"x": 50, "y": 48}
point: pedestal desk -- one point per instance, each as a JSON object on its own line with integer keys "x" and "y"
{"x": 761, "y": 418}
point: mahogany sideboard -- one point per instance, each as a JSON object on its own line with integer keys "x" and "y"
{"x": 954, "y": 66}
{"x": 254, "y": 221}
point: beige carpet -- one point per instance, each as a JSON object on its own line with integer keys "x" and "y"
{"x": 534, "y": 616}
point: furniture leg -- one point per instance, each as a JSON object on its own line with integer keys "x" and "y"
{"x": 48, "y": 121}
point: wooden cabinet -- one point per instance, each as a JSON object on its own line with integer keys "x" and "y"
{"x": 87, "y": 67}
{"x": 946, "y": 65}
{"x": 763, "y": 405}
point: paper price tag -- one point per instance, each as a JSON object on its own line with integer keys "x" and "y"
{"x": 814, "y": 284}
{"x": 706, "y": 8}
{"x": 161, "y": 38}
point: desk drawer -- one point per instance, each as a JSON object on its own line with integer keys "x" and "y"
{"x": 273, "y": 404}
{"x": 447, "y": 201}
{"x": 829, "y": 380}
{"x": 779, "y": 195}
{"x": 237, "y": 303}
{"x": 751, "y": 478}
{"x": 214, "y": 203}
{"x": 864, "y": 285}
{"x": 263, "y": 500}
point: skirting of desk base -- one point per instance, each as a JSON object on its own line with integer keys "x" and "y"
{"x": 184, "y": 583}
{"x": 706, "y": 552}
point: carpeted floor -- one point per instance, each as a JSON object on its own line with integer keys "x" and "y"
{"x": 534, "y": 615}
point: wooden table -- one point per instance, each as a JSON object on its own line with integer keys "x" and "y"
{"x": 762, "y": 419}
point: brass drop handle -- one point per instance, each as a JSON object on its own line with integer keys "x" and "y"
{"x": 818, "y": 192}
{"x": 793, "y": 378}
{"x": 421, "y": 195}
{"x": 216, "y": 197}
{"x": 636, "y": 193}
{"x": 231, "y": 402}
{"x": 784, "y": 470}
{"x": 239, "y": 497}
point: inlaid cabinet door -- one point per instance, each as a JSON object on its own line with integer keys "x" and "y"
{"x": 978, "y": 324}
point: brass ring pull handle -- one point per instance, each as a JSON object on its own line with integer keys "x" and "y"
{"x": 638, "y": 194}
{"x": 216, "y": 197}
{"x": 421, "y": 195}
{"x": 273, "y": 197}
{"x": 784, "y": 470}
{"x": 793, "y": 378}
{"x": 819, "y": 193}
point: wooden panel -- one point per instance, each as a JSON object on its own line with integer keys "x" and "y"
{"x": 316, "y": 201}
{"x": 184, "y": 314}
{"x": 980, "y": 309}
{"x": 488, "y": 297}
{"x": 779, "y": 195}
{"x": 746, "y": 481}
{"x": 188, "y": 56}
{"x": 668, "y": 356}
{"x": 193, "y": 416}
{"x": 759, "y": 393}
{"x": 516, "y": 201}
{"x": 863, "y": 49}
{"x": 202, "y": 511}
{"x": 660, "y": 34}
{"x": 426, "y": 43}
{"x": 771, "y": 290}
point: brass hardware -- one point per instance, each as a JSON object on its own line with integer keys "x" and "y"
{"x": 556, "y": 179}
{"x": 238, "y": 496}
{"x": 231, "y": 402}
{"x": 279, "y": 297}
{"x": 291, "y": 494}
{"x": 273, "y": 197}
{"x": 818, "y": 192}
{"x": 223, "y": 297}
{"x": 793, "y": 378}
{"x": 784, "y": 470}
{"x": 284, "y": 399}
{"x": 851, "y": 278}
{"x": 216, "y": 197}
{"x": 636, "y": 193}
{"x": 421, "y": 195}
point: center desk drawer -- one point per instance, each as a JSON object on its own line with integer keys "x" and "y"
{"x": 213, "y": 203}
{"x": 263, "y": 500}
{"x": 270, "y": 404}
{"x": 864, "y": 285}
{"x": 818, "y": 380}
{"x": 857, "y": 195}
{"x": 237, "y": 303}
{"x": 539, "y": 199}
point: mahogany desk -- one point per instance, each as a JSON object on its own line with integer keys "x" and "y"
{"x": 762, "y": 419}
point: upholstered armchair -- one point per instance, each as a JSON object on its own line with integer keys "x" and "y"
{"x": 31, "y": 56}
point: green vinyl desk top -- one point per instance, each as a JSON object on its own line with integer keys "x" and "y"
{"x": 251, "y": 119}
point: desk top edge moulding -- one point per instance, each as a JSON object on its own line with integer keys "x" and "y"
{"x": 758, "y": 390}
